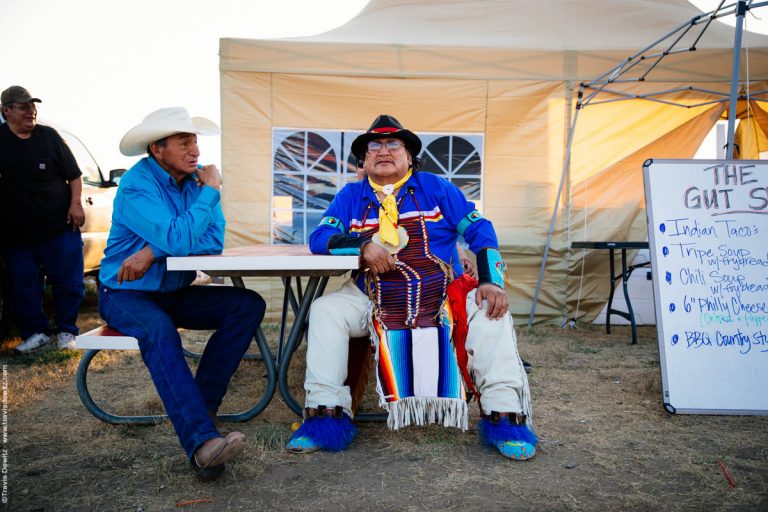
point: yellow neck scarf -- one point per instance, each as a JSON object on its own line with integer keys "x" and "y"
{"x": 388, "y": 214}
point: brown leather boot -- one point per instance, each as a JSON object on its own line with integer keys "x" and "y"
{"x": 209, "y": 459}
{"x": 220, "y": 450}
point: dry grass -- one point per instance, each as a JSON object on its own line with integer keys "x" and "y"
{"x": 34, "y": 374}
{"x": 606, "y": 444}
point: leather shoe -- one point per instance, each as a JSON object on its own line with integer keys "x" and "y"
{"x": 219, "y": 450}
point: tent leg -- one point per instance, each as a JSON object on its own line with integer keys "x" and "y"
{"x": 550, "y": 232}
{"x": 740, "y": 11}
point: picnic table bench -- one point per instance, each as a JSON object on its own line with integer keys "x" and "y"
{"x": 108, "y": 338}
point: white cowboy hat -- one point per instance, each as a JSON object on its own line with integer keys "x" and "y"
{"x": 162, "y": 123}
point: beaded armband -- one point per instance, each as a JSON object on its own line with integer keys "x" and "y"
{"x": 490, "y": 267}
{"x": 469, "y": 219}
{"x": 333, "y": 222}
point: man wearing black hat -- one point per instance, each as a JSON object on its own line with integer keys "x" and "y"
{"x": 41, "y": 214}
{"x": 435, "y": 329}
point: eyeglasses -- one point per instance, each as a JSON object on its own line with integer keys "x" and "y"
{"x": 25, "y": 107}
{"x": 393, "y": 145}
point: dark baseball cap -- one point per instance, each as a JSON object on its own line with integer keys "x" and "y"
{"x": 17, "y": 94}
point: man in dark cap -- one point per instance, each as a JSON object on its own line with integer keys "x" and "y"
{"x": 435, "y": 330}
{"x": 41, "y": 214}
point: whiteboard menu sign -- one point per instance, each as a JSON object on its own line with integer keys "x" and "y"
{"x": 708, "y": 238}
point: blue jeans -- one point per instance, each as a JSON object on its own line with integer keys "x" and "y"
{"x": 153, "y": 318}
{"x": 61, "y": 261}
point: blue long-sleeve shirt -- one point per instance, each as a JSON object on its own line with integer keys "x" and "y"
{"x": 173, "y": 219}
{"x": 448, "y": 214}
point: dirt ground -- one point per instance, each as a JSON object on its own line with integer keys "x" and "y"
{"x": 606, "y": 443}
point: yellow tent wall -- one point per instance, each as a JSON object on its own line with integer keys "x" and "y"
{"x": 521, "y": 100}
{"x": 517, "y": 136}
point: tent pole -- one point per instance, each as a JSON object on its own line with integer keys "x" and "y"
{"x": 740, "y": 11}
{"x": 566, "y": 167}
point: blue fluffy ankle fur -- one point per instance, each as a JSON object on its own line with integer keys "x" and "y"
{"x": 491, "y": 434}
{"x": 329, "y": 433}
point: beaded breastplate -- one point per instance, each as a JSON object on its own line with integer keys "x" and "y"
{"x": 411, "y": 295}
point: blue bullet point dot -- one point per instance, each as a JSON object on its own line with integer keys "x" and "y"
{"x": 668, "y": 277}
{"x": 665, "y": 251}
{"x": 671, "y": 307}
{"x": 662, "y": 227}
{"x": 675, "y": 338}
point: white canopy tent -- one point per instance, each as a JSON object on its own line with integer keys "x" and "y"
{"x": 509, "y": 71}
{"x": 638, "y": 67}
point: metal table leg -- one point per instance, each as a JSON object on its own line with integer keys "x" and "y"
{"x": 626, "y": 272}
{"x": 610, "y": 295}
{"x": 314, "y": 285}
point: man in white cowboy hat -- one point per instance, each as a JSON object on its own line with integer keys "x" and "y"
{"x": 40, "y": 218}
{"x": 169, "y": 205}
{"x": 435, "y": 329}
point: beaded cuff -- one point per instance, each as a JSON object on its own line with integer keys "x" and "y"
{"x": 343, "y": 245}
{"x": 490, "y": 267}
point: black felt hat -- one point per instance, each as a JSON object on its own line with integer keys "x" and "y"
{"x": 386, "y": 127}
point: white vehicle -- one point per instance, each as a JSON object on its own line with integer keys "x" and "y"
{"x": 98, "y": 195}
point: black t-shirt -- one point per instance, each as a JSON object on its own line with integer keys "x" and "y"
{"x": 34, "y": 185}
